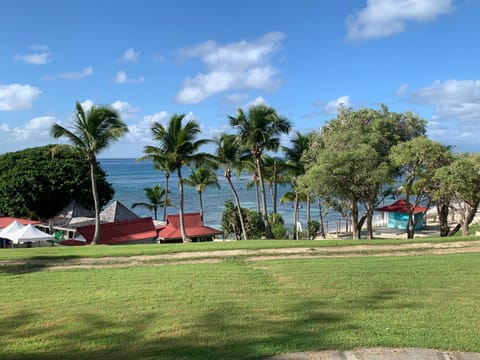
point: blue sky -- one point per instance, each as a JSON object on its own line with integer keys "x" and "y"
{"x": 152, "y": 59}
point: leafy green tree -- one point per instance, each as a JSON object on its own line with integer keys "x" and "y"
{"x": 348, "y": 161}
{"x": 201, "y": 178}
{"x": 156, "y": 198}
{"x": 459, "y": 183}
{"x": 229, "y": 153}
{"x": 33, "y": 181}
{"x": 418, "y": 160}
{"x": 260, "y": 130}
{"x": 254, "y": 224}
{"x": 179, "y": 146}
{"x": 92, "y": 132}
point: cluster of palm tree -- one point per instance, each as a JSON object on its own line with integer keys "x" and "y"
{"x": 257, "y": 133}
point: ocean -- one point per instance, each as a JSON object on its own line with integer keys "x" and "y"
{"x": 129, "y": 177}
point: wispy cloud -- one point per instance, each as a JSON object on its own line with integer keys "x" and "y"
{"x": 15, "y": 97}
{"x": 36, "y": 129}
{"x": 129, "y": 56}
{"x": 122, "y": 78}
{"x": 239, "y": 65}
{"x": 86, "y": 72}
{"x": 383, "y": 18}
{"x": 37, "y": 58}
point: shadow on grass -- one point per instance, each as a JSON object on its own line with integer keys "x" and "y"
{"x": 226, "y": 333}
{"x": 33, "y": 264}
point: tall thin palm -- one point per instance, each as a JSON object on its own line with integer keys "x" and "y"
{"x": 260, "y": 130}
{"x": 178, "y": 145}
{"x": 229, "y": 153}
{"x": 92, "y": 132}
{"x": 156, "y": 198}
{"x": 296, "y": 167}
{"x": 201, "y": 178}
{"x": 163, "y": 163}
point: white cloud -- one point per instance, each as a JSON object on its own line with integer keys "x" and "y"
{"x": 36, "y": 59}
{"x": 141, "y": 132}
{"x": 122, "y": 78}
{"x": 382, "y": 18}
{"x": 4, "y": 127}
{"x": 452, "y": 99}
{"x": 402, "y": 89}
{"x": 17, "y": 97}
{"x": 333, "y": 105}
{"x": 87, "y": 105}
{"x": 36, "y": 129}
{"x": 88, "y": 71}
{"x": 259, "y": 100}
{"x": 239, "y": 65}
{"x": 125, "y": 110}
{"x": 129, "y": 56}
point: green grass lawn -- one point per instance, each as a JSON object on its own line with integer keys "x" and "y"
{"x": 66, "y": 252}
{"x": 238, "y": 309}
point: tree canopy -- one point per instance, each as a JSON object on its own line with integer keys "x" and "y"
{"x": 38, "y": 183}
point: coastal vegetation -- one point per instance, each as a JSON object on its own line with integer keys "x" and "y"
{"x": 157, "y": 198}
{"x": 92, "y": 131}
{"x": 235, "y": 308}
{"x": 38, "y": 182}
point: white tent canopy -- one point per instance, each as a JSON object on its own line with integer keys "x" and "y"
{"x": 28, "y": 233}
{"x": 14, "y": 226}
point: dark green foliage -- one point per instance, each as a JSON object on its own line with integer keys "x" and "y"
{"x": 38, "y": 183}
{"x": 314, "y": 228}
{"x": 254, "y": 225}
{"x": 279, "y": 231}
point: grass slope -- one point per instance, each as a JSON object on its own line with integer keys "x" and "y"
{"x": 241, "y": 310}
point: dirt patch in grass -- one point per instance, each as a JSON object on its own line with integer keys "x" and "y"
{"x": 204, "y": 257}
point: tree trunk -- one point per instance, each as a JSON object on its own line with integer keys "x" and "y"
{"x": 370, "y": 220}
{"x": 442, "y": 211}
{"x": 96, "y": 235}
{"x": 472, "y": 210}
{"x": 167, "y": 177}
{"x": 237, "y": 202}
{"x": 155, "y": 211}
{"x": 268, "y": 230}
{"x": 257, "y": 195}
{"x": 185, "y": 239}
{"x": 355, "y": 232}
{"x": 308, "y": 217}
{"x": 201, "y": 206}
{"x": 322, "y": 228}
{"x": 295, "y": 216}
{"x": 275, "y": 187}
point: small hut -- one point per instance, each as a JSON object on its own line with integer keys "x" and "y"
{"x": 396, "y": 215}
{"x": 193, "y": 227}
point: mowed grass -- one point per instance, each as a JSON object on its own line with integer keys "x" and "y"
{"x": 241, "y": 310}
{"x": 69, "y": 252}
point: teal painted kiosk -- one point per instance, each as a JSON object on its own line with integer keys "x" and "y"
{"x": 397, "y": 215}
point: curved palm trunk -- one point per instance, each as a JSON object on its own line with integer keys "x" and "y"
{"x": 237, "y": 202}
{"x": 295, "y": 216}
{"x": 185, "y": 239}
{"x": 167, "y": 177}
{"x": 96, "y": 202}
{"x": 268, "y": 230}
{"x": 275, "y": 187}
{"x": 201, "y": 206}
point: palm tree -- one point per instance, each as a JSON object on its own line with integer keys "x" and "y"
{"x": 296, "y": 168}
{"x": 163, "y": 163}
{"x": 201, "y": 178}
{"x": 260, "y": 130}
{"x": 92, "y": 132}
{"x": 178, "y": 146}
{"x": 156, "y": 196}
{"x": 229, "y": 153}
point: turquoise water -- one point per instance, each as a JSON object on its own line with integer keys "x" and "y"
{"x": 130, "y": 177}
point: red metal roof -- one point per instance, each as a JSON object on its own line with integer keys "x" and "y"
{"x": 121, "y": 231}
{"x": 193, "y": 227}
{"x": 401, "y": 206}
{"x": 5, "y": 221}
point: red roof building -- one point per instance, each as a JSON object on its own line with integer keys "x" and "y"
{"x": 120, "y": 232}
{"x": 5, "y": 221}
{"x": 193, "y": 227}
{"x": 401, "y": 206}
